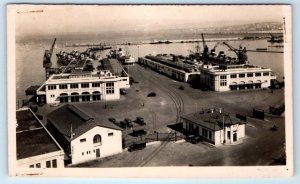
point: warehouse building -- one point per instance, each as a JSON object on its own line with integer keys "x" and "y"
{"x": 235, "y": 77}
{"x": 214, "y": 126}
{"x": 36, "y": 148}
{"x": 83, "y": 137}
{"x": 172, "y": 66}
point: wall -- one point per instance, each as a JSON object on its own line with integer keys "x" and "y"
{"x": 42, "y": 159}
{"x": 86, "y": 151}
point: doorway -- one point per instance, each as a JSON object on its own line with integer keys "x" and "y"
{"x": 98, "y": 153}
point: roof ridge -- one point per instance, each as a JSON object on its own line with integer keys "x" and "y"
{"x": 82, "y": 114}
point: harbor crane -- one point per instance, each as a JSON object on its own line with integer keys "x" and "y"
{"x": 205, "y": 47}
{"x": 47, "y": 56}
{"x": 241, "y": 53}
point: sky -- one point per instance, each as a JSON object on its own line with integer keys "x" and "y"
{"x": 97, "y": 18}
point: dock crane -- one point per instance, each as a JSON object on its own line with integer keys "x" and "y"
{"x": 47, "y": 56}
{"x": 205, "y": 47}
{"x": 241, "y": 53}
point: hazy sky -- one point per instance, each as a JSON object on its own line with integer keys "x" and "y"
{"x": 79, "y": 18}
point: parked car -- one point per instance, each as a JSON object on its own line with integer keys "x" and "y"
{"x": 193, "y": 139}
{"x": 139, "y": 132}
{"x": 113, "y": 120}
{"x": 181, "y": 87}
{"x": 137, "y": 146}
{"x": 127, "y": 123}
{"x": 123, "y": 91}
{"x": 151, "y": 94}
{"x": 140, "y": 121}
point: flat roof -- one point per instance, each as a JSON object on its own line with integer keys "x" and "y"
{"x": 32, "y": 137}
{"x": 175, "y": 64}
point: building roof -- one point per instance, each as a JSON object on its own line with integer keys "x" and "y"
{"x": 69, "y": 117}
{"x": 180, "y": 65}
{"x": 33, "y": 139}
{"x": 212, "y": 120}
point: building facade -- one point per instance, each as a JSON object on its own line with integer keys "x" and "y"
{"x": 36, "y": 147}
{"x": 102, "y": 83}
{"x": 175, "y": 69}
{"x": 83, "y": 137}
{"x": 235, "y": 77}
{"x": 214, "y": 127}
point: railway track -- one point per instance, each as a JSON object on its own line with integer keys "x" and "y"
{"x": 178, "y": 102}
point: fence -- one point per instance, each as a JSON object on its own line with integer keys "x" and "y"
{"x": 157, "y": 136}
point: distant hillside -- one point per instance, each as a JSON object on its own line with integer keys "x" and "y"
{"x": 254, "y": 27}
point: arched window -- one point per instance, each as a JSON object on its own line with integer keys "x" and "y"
{"x": 97, "y": 139}
{"x": 85, "y": 96}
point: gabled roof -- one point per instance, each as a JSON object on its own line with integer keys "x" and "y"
{"x": 213, "y": 121}
{"x": 33, "y": 138}
{"x": 69, "y": 117}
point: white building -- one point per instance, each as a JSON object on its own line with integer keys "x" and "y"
{"x": 170, "y": 66}
{"x": 235, "y": 77}
{"x": 36, "y": 148}
{"x": 83, "y": 137}
{"x": 214, "y": 127}
{"x": 97, "y": 85}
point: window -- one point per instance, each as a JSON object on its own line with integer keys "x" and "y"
{"x": 85, "y": 85}
{"x": 110, "y": 88}
{"x": 63, "y": 86}
{"x": 97, "y": 139}
{"x": 250, "y": 75}
{"x": 48, "y": 164}
{"x": 242, "y": 75}
{"x": 82, "y": 153}
{"x": 31, "y": 166}
{"x": 124, "y": 79}
{"x": 54, "y": 163}
{"x": 110, "y": 134}
{"x": 233, "y": 76}
{"x": 52, "y": 96}
{"x": 228, "y": 134}
{"x": 266, "y": 74}
{"x": 223, "y": 83}
{"x": 210, "y": 135}
{"x": 38, "y": 165}
{"x": 204, "y": 132}
{"x": 74, "y": 86}
{"x": 83, "y": 140}
{"x": 223, "y": 76}
{"x": 257, "y": 74}
{"x": 96, "y": 84}
{"x": 51, "y": 87}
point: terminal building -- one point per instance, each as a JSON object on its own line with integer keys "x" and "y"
{"x": 235, "y": 77}
{"x": 36, "y": 148}
{"x": 82, "y": 136}
{"x": 102, "y": 82}
{"x": 214, "y": 126}
{"x": 172, "y": 66}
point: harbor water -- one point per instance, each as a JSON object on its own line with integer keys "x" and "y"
{"x": 30, "y": 51}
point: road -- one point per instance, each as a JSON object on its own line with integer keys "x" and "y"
{"x": 260, "y": 146}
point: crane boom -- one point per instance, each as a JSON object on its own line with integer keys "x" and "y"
{"x": 203, "y": 41}
{"x": 241, "y": 53}
{"x": 230, "y": 47}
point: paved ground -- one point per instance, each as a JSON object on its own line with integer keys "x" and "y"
{"x": 258, "y": 148}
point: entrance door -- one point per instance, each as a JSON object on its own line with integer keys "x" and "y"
{"x": 234, "y": 137}
{"x": 97, "y": 152}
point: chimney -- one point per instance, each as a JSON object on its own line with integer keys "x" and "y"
{"x": 220, "y": 110}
